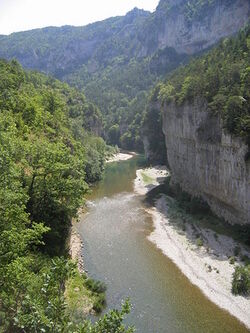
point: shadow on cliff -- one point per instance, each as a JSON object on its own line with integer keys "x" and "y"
{"x": 206, "y": 233}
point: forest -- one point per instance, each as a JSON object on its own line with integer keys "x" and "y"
{"x": 55, "y": 138}
{"x": 221, "y": 78}
{"x": 48, "y": 158}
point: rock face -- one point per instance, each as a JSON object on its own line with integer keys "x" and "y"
{"x": 206, "y": 161}
{"x": 183, "y": 26}
{"x": 191, "y": 34}
{"x": 60, "y": 50}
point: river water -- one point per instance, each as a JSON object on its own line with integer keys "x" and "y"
{"x": 117, "y": 251}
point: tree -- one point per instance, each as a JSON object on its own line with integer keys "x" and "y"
{"x": 241, "y": 280}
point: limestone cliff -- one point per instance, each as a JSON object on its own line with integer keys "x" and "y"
{"x": 192, "y": 26}
{"x": 206, "y": 161}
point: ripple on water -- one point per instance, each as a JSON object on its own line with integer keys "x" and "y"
{"x": 118, "y": 252}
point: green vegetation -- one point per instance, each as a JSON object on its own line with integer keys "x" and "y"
{"x": 103, "y": 59}
{"x": 199, "y": 242}
{"x": 152, "y": 127}
{"x": 146, "y": 178}
{"x": 232, "y": 260}
{"x": 82, "y": 295}
{"x": 221, "y": 78}
{"x": 117, "y": 62}
{"x": 120, "y": 91}
{"x": 48, "y": 156}
{"x": 241, "y": 280}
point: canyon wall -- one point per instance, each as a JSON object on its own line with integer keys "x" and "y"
{"x": 206, "y": 161}
{"x": 189, "y": 32}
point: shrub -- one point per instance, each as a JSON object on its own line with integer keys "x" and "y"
{"x": 99, "y": 303}
{"x": 199, "y": 242}
{"x": 246, "y": 259}
{"x": 232, "y": 260}
{"x": 95, "y": 286}
{"x": 241, "y": 280}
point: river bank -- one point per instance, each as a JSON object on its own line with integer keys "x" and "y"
{"x": 75, "y": 248}
{"x": 122, "y": 156}
{"x": 200, "y": 253}
{"x": 149, "y": 178}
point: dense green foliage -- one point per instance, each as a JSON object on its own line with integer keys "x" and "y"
{"x": 108, "y": 60}
{"x": 47, "y": 159}
{"x": 83, "y": 295}
{"x": 120, "y": 91}
{"x": 152, "y": 129}
{"x": 116, "y": 61}
{"x": 43, "y": 136}
{"x": 241, "y": 280}
{"x": 222, "y": 78}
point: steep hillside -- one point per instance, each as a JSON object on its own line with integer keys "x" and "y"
{"x": 46, "y": 139}
{"x": 47, "y": 160}
{"x": 117, "y": 61}
{"x": 192, "y": 26}
{"x": 60, "y": 50}
{"x": 206, "y": 123}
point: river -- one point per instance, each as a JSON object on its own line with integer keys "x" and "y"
{"x": 116, "y": 250}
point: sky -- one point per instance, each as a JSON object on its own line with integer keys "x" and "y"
{"x": 21, "y": 15}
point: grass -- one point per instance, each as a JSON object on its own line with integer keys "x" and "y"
{"x": 146, "y": 179}
{"x": 84, "y": 295}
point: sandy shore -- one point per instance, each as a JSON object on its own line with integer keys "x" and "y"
{"x": 121, "y": 157}
{"x": 206, "y": 266}
{"x": 75, "y": 248}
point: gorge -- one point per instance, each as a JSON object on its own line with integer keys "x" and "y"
{"x": 172, "y": 85}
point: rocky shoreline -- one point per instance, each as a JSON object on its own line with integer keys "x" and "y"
{"x": 123, "y": 156}
{"x": 205, "y": 263}
{"x": 75, "y": 248}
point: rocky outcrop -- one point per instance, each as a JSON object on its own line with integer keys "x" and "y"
{"x": 61, "y": 50}
{"x": 206, "y": 161}
{"x": 190, "y": 26}
{"x": 182, "y": 26}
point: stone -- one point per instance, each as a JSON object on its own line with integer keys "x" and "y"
{"x": 206, "y": 161}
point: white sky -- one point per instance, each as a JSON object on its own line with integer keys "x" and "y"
{"x": 20, "y": 15}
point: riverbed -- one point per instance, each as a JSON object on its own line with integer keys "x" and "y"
{"x": 117, "y": 250}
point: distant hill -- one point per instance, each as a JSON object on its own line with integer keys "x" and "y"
{"x": 118, "y": 60}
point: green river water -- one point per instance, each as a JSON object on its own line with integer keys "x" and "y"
{"x": 117, "y": 251}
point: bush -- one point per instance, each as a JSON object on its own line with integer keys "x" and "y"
{"x": 232, "y": 260}
{"x": 99, "y": 303}
{"x": 95, "y": 286}
{"x": 246, "y": 259}
{"x": 199, "y": 242}
{"x": 241, "y": 280}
